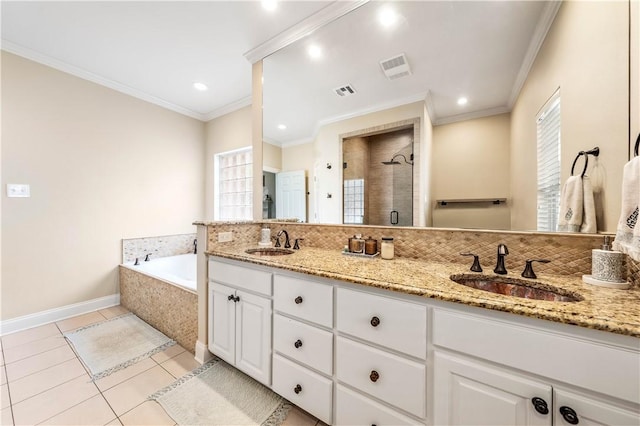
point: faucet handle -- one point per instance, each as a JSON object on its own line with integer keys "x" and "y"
{"x": 528, "y": 269}
{"x": 296, "y": 246}
{"x": 277, "y": 241}
{"x": 476, "y": 262}
{"x": 146, "y": 258}
{"x": 137, "y": 262}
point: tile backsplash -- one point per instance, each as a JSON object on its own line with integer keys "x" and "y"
{"x": 569, "y": 254}
{"x": 167, "y": 245}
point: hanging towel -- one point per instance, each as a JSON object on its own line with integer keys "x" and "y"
{"x": 628, "y": 234}
{"x": 571, "y": 205}
{"x": 589, "y": 208}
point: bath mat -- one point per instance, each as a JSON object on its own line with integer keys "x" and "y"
{"x": 218, "y": 394}
{"x": 112, "y": 345}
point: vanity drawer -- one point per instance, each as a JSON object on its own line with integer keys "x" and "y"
{"x": 392, "y": 323}
{"x": 355, "y": 409}
{"x": 240, "y": 276}
{"x": 304, "y": 343}
{"x": 314, "y": 391}
{"x": 388, "y": 377}
{"x": 304, "y": 299}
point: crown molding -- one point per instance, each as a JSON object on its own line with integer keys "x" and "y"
{"x": 305, "y": 27}
{"x": 540, "y": 33}
{"x": 40, "y": 58}
{"x": 472, "y": 115}
{"x": 233, "y": 106}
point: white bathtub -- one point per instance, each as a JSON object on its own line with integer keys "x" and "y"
{"x": 179, "y": 270}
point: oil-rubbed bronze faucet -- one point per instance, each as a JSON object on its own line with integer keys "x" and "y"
{"x": 502, "y": 252}
{"x": 287, "y": 243}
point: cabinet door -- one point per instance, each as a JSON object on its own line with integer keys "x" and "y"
{"x": 466, "y": 392}
{"x": 253, "y": 336}
{"x": 222, "y": 322}
{"x": 570, "y": 408}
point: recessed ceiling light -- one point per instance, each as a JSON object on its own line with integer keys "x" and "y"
{"x": 282, "y": 127}
{"x": 269, "y": 5}
{"x": 314, "y": 51}
{"x": 462, "y": 101}
{"x": 387, "y": 16}
{"x": 200, "y": 86}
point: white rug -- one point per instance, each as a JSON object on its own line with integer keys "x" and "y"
{"x": 112, "y": 345}
{"x": 218, "y": 394}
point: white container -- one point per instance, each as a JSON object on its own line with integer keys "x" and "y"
{"x": 386, "y": 248}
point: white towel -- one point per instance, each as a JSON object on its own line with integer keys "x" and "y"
{"x": 571, "y": 205}
{"x": 589, "y": 225}
{"x": 628, "y": 234}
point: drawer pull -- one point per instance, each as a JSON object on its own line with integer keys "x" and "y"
{"x": 374, "y": 376}
{"x": 297, "y": 389}
{"x": 569, "y": 415}
{"x": 298, "y": 300}
{"x": 375, "y": 321}
{"x": 298, "y": 343}
{"x": 540, "y": 405}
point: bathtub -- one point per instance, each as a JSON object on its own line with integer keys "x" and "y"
{"x": 179, "y": 270}
{"x": 163, "y": 293}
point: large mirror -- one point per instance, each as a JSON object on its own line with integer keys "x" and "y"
{"x": 471, "y": 164}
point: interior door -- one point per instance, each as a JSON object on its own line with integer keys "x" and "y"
{"x": 291, "y": 195}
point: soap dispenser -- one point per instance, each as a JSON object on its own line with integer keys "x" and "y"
{"x": 608, "y": 267}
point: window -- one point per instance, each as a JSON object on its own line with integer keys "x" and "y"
{"x": 234, "y": 185}
{"x": 548, "y": 136}
{"x": 353, "y": 200}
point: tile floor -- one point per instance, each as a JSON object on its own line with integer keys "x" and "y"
{"x": 42, "y": 381}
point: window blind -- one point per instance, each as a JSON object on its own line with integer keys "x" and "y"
{"x": 234, "y": 195}
{"x": 548, "y": 137}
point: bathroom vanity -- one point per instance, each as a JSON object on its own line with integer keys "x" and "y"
{"x": 351, "y": 343}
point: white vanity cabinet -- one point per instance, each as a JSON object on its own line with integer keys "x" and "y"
{"x": 491, "y": 372}
{"x": 240, "y": 318}
{"x": 380, "y": 353}
{"x": 303, "y": 344}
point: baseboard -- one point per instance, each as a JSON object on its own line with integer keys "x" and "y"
{"x": 57, "y": 314}
{"x": 202, "y": 353}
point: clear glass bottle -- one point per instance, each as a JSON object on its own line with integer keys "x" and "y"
{"x": 386, "y": 248}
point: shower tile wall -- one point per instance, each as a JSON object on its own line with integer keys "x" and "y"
{"x": 168, "y": 245}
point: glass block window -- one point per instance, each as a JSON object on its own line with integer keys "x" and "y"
{"x": 234, "y": 185}
{"x": 353, "y": 200}
{"x": 548, "y": 136}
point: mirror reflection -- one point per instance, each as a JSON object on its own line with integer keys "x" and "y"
{"x": 475, "y": 78}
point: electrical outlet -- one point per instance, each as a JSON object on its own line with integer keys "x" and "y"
{"x": 225, "y": 237}
{"x": 18, "y": 190}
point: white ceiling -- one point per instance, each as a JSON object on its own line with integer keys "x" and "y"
{"x": 478, "y": 49}
{"x": 154, "y": 50}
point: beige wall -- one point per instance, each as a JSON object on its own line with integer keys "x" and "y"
{"x": 102, "y": 166}
{"x": 328, "y": 149}
{"x": 585, "y": 54}
{"x": 271, "y": 157}
{"x": 222, "y": 134}
{"x": 471, "y": 161}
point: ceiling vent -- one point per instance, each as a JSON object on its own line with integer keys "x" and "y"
{"x": 396, "y": 67}
{"x": 346, "y": 90}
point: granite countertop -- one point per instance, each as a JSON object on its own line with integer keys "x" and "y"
{"x": 612, "y": 310}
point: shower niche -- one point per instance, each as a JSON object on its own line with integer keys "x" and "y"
{"x": 377, "y": 178}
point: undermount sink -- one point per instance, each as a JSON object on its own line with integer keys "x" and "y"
{"x": 269, "y": 251}
{"x": 516, "y": 287}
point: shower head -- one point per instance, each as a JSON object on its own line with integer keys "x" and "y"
{"x": 394, "y": 162}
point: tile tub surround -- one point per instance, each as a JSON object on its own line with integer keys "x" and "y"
{"x": 168, "y": 245}
{"x": 425, "y": 259}
{"x": 168, "y": 308}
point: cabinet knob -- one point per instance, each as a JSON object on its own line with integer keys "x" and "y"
{"x": 375, "y": 321}
{"x": 297, "y": 389}
{"x": 298, "y": 300}
{"x": 374, "y": 376}
{"x": 231, "y": 297}
{"x": 569, "y": 415}
{"x": 298, "y": 343}
{"x": 237, "y": 299}
{"x": 540, "y": 405}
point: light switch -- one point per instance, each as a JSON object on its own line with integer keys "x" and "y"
{"x": 18, "y": 190}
